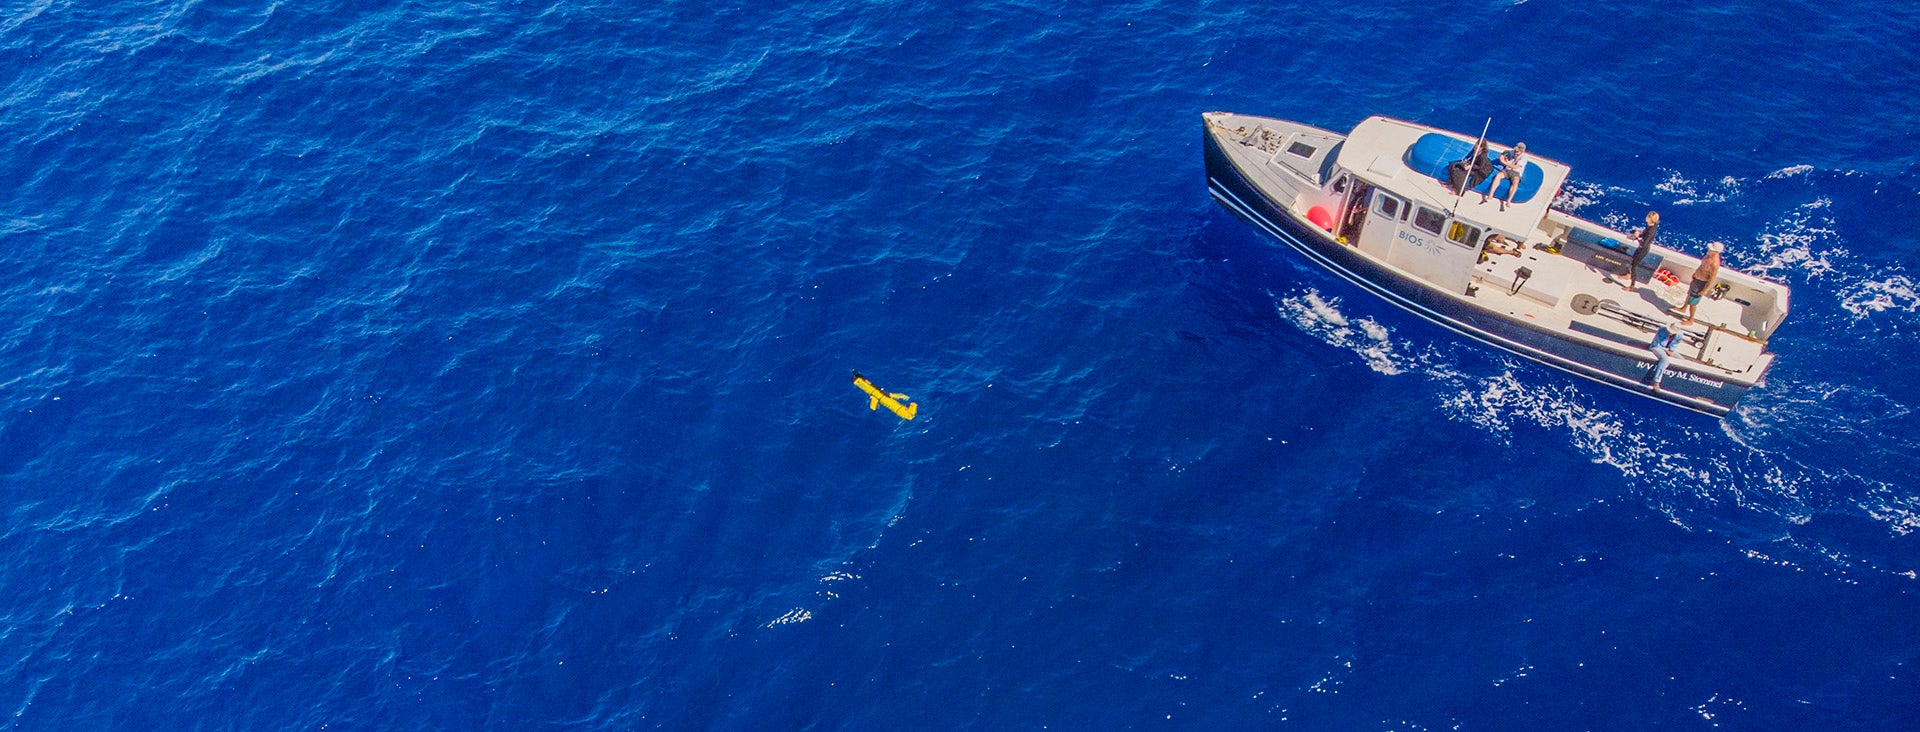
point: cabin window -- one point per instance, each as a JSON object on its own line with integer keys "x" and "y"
{"x": 1429, "y": 220}
{"x": 1300, "y": 150}
{"x": 1390, "y": 206}
{"x": 1464, "y": 235}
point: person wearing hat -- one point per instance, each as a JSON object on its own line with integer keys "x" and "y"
{"x": 1703, "y": 277}
{"x": 1664, "y": 341}
{"x": 1513, "y": 163}
{"x": 1645, "y": 235}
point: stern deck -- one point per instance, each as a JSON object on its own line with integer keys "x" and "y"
{"x": 1571, "y": 294}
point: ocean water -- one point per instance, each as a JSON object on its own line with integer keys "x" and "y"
{"x": 374, "y": 365}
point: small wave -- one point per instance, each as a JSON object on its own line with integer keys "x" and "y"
{"x": 1716, "y": 705}
{"x": 1901, "y": 514}
{"x": 1687, "y": 191}
{"x": 1898, "y": 293}
{"x": 1817, "y": 431}
{"x": 796, "y": 615}
{"x": 22, "y": 15}
{"x": 1496, "y": 405}
{"x": 1576, "y": 195}
{"x": 1491, "y": 404}
{"x": 1791, "y": 171}
{"x": 1805, "y": 240}
{"x": 1690, "y": 477}
{"x": 1365, "y": 337}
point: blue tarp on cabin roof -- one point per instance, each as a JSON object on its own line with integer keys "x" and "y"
{"x": 1431, "y": 154}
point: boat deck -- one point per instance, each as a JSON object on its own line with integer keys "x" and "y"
{"x": 1552, "y": 297}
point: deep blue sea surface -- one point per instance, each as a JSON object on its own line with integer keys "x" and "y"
{"x": 484, "y": 365}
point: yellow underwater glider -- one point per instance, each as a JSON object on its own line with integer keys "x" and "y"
{"x": 877, "y": 397}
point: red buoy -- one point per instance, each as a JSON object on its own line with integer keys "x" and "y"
{"x": 1320, "y": 217}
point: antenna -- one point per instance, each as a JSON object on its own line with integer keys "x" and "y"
{"x": 1470, "y": 163}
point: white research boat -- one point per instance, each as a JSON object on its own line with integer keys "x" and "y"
{"x": 1373, "y": 206}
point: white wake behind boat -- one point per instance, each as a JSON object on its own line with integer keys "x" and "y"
{"x": 1374, "y": 207}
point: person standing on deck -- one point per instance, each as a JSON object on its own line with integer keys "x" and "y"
{"x": 1703, "y": 277}
{"x": 1645, "y": 234}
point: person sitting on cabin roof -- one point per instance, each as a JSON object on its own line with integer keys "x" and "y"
{"x": 1498, "y": 244}
{"x": 1467, "y": 172}
{"x": 1703, "y": 278}
{"x": 1645, "y": 235}
{"x": 1514, "y": 163}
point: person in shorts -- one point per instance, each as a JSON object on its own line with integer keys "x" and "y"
{"x": 1500, "y": 244}
{"x": 1703, "y": 277}
{"x": 1514, "y": 163}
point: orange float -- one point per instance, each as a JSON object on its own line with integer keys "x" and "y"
{"x": 1320, "y": 217}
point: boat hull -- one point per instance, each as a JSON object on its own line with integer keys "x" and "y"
{"x": 1614, "y": 366}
